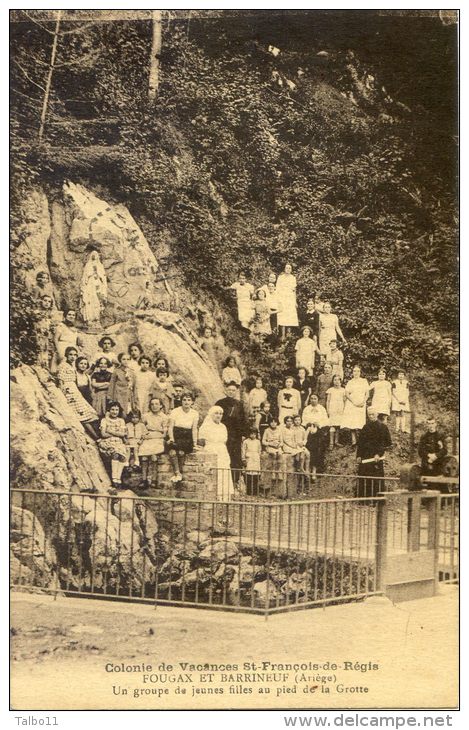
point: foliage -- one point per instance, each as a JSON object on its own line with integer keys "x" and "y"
{"x": 342, "y": 163}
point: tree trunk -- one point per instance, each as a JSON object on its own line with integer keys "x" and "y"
{"x": 49, "y": 77}
{"x": 154, "y": 74}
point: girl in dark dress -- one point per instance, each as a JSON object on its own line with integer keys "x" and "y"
{"x": 100, "y": 381}
{"x": 83, "y": 379}
{"x": 304, "y": 385}
{"x": 182, "y": 434}
{"x": 264, "y": 419}
{"x": 314, "y": 446}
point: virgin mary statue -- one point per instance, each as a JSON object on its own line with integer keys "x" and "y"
{"x": 93, "y": 290}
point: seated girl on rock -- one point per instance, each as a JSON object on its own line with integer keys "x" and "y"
{"x": 136, "y": 431}
{"x": 113, "y": 442}
{"x": 153, "y": 443}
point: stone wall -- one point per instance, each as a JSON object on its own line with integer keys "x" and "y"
{"x": 199, "y": 477}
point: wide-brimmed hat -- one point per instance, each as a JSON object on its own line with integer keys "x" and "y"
{"x": 106, "y": 337}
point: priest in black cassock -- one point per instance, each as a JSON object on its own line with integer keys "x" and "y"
{"x": 432, "y": 450}
{"x": 373, "y": 440}
{"x": 235, "y": 420}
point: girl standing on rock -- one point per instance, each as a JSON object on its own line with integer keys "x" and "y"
{"x": 135, "y": 351}
{"x": 162, "y": 388}
{"x": 261, "y": 316}
{"x": 305, "y": 349}
{"x": 356, "y": 395}
{"x": 286, "y": 295}
{"x": 100, "y": 381}
{"x": 113, "y": 442}
{"x": 65, "y": 336}
{"x": 209, "y": 345}
{"x": 382, "y": 394}
{"x": 44, "y": 331}
{"x": 400, "y": 402}
{"x": 156, "y": 425}
{"x": 328, "y": 329}
{"x": 182, "y": 434}
{"x": 67, "y": 378}
{"x": 335, "y": 409}
{"x": 244, "y": 292}
{"x": 144, "y": 379}
{"x": 122, "y": 383}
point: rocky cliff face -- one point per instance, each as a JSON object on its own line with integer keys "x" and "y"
{"x": 49, "y": 448}
{"x": 55, "y": 237}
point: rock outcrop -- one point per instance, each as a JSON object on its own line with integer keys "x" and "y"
{"x": 49, "y": 447}
{"x": 55, "y": 237}
{"x": 74, "y": 542}
{"x": 80, "y": 219}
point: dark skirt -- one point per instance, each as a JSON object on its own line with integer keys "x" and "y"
{"x": 183, "y": 440}
{"x": 85, "y": 390}
{"x": 314, "y": 446}
{"x": 366, "y": 485}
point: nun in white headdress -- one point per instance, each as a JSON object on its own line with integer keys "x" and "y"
{"x": 93, "y": 290}
{"x": 213, "y": 437}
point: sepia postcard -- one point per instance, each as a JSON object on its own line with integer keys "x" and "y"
{"x": 234, "y": 361}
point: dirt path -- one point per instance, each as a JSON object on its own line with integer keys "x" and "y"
{"x": 60, "y": 650}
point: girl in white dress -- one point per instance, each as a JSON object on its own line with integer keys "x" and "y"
{"x": 356, "y": 394}
{"x": 335, "y": 409}
{"x": 65, "y": 336}
{"x": 381, "y": 389}
{"x": 271, "y": 298}
{"x": 135, "y": 351}
{"x": 244, "y": 293}
{"x": 286, "y": 295}
{"x": 144, "y": 380}
{"x": 328, "y": 329}
{"x": 213, "y": 436}
{"x": 306, "y": 348}
{"x": 256, "y": 397}
{"x": 156, "y": 425}
{"x": 230, "y": 372}
{"x": 288, "y": 401}
{"x": 400, "y": 402}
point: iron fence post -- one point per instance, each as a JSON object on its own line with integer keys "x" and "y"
{"x": 381, "y": 541}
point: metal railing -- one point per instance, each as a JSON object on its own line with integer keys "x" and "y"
{"x": 284, "y": 484}
{"x": 261, "y": 557}
{"x": 448, "y": 538}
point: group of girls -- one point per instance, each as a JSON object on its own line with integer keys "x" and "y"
{"x": 308, "y": 414}
{"x": 139, "y": 440}
{"x": 271, "y": 306}
{"x": 134, "y": 412}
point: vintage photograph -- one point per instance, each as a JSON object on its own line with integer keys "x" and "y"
{"x": 234, "y": 359}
